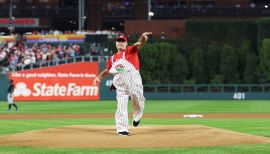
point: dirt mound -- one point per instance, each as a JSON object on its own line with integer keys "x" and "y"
{"x": 143, "y": 136}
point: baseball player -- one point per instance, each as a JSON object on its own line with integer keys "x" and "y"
{"x": 125, "y": 65}
{"x": 10, "y": 96}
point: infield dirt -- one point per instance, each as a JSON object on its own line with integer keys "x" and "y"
{"x": 84, "y": 136}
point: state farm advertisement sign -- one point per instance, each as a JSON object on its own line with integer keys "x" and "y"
{"x": 64, "y": 82}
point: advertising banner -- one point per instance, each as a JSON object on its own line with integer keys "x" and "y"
{"x": 19, "y": 22}
{"x": 5, "y": 39}
{"x": 72, "y": 38}
{"x": 64, "y": 82}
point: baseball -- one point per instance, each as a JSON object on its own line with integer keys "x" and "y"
{"x": 151, "y": 14}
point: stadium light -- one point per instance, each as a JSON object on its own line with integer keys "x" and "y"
{"x": 121, "y": 24}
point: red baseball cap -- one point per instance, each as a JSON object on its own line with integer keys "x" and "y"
{"x": 121, "y": 37}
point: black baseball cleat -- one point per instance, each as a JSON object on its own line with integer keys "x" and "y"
{"x": 136, "y": 123}
{"x": 125, "y": 133}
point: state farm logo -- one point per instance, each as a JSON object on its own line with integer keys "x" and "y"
{"x": 42, "y": 89}
{"x": 21, "y": 90}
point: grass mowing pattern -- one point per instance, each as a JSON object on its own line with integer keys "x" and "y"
{"x": 152, "y": 106}
{"x": 250, "y": 149}
{"x": 249, "y": 126}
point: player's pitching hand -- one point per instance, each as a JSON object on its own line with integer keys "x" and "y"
{"x": 146, "y": 34}
{"x": 96, "y": 81}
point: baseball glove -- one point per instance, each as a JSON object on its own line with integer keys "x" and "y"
{"x": 112, "y": 87}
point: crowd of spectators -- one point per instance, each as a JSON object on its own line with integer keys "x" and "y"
{"x": 18, "y": 55}
{"x": 109, "y": 33}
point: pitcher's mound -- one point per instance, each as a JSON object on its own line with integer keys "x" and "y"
{"x": 143, "y": 136}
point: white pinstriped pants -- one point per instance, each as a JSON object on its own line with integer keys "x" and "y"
{"x": 128, "y": 84}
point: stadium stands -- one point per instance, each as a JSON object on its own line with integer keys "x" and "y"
{"x": 19, "y": 54}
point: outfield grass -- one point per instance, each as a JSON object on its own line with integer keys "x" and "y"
{"x": 152, "y": 106}
{"x": 250, "y": 126}
{"x": 250, "y": 149}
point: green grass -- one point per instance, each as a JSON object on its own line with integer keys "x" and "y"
{"x": 250, "y": 149}
{"x": 250, "y": 126}
{"x": 254, "y": 126}
{"x": 162, "y": 106}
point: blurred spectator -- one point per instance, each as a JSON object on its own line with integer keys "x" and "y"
{"x": 3, "y": 59}
{"x": 162, "y": 35}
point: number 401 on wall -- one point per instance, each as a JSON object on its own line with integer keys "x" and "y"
{"x": 239, "y": 95}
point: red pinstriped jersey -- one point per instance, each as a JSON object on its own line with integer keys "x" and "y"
{"x": 131, "y": 55}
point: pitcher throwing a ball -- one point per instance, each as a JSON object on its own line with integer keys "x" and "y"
{"x": 125, "y": 66}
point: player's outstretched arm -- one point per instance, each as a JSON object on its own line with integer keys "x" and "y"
{"x": 142, "y": 40}
{"x": 104, "y": 73}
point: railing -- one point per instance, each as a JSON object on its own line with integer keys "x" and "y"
{"x": 187, "y": 12}
{"x": 60, "y": 62}
{"x": 206, "y": 88}
{"x": 160, "y": 13}
{"x": 207, "y": 91}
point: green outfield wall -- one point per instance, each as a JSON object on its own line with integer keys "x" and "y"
{"x": 208, "y": 91}
{"x": 3, "y": 87}
{"x": 169, "y": 92}
{"x": 105, "y": 84}
{"x": 192, "y": 91}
